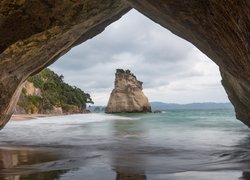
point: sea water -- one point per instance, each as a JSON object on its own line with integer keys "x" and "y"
{"x": 176, "y": 144}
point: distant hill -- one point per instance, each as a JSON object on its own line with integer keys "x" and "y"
{"x": 96, "y": 109}
{"x": 210, "y": 105}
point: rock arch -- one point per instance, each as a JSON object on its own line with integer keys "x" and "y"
{"x": 36, "y": 33}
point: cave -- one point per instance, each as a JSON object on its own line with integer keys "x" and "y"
{"x": 35, "y": 34}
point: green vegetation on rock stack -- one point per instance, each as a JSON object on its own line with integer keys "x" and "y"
{"x": 55, "y": 93}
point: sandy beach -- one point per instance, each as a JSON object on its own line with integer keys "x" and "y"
{"x": 25, "y": 117}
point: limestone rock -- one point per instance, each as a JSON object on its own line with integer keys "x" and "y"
{"x": 36, "y": 33}
{"x": 221, "y": 30}
{"x": 19, "y": 110}
{"x": 127, "y": 96}
{"x": 54, "y": 110}
{"x": 31, "y": 89}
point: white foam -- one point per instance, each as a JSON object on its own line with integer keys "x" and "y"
{"x": 74, "y": 118}
{"x": 55, "y": 129}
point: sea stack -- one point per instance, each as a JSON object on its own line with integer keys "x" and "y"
{"x": 127, "y": 96}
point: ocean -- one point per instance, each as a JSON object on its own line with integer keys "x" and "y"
{"x": 172, "y": 145}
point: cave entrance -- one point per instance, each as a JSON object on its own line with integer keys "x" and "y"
{"x": 172, "y": 69}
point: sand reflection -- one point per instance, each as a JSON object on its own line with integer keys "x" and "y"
{"x": 21, "y": 163}
{"x": 128, "y": 164}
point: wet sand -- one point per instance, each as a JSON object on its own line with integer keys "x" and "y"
{"x": 47, "y": 163}
{"x": 25, "y": 117}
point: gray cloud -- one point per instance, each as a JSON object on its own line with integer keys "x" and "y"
{"x": 157, "y": 57}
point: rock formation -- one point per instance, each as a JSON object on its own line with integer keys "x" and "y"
{"x": 24, "y": 105}
{"x": 28, "y": 90}
{"x": 127, "y": 96}
{"x": 221, "y": 30}
{"x": 36, "y": 33}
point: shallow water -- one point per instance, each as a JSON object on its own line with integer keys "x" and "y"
{"x": 183, "y": 144}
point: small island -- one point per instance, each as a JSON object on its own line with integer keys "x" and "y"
{"x": 127, "y": 95}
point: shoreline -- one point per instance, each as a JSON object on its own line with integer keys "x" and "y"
{"x": 26, "y": 117}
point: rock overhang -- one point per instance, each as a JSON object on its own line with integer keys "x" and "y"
{"x": 35, "y": 34}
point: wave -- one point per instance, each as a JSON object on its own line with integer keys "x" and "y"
{"x": 59, "y": 130}
{"x": 74, "y": 118}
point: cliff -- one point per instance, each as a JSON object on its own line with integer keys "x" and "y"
{"x": 46, "y": 93}
{"x": 26, "y": 103}
{"x": 127, "y": 96}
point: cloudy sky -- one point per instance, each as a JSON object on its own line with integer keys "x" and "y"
{"x": 172, "y": 70}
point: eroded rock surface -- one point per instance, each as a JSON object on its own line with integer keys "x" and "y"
{"x": 35, "y": 33}
{"x": 221, "y": 30}
{"x": 30, "y": 90}
{"x": 127, "y": 96}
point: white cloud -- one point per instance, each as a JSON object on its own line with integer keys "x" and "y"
{"x": 172, "y": 69}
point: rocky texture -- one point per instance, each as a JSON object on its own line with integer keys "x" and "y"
{"x": 127, "y": 96}
{"x": 54, "y": 110}
{"x": 35, "y": 33}
{"x": 30, "y": 90}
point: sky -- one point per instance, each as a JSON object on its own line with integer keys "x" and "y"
{"x": 172, "y": 70}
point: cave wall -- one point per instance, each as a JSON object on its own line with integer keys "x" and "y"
{"x": 221, "y": 30}
{"x": 36, "y": 33}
